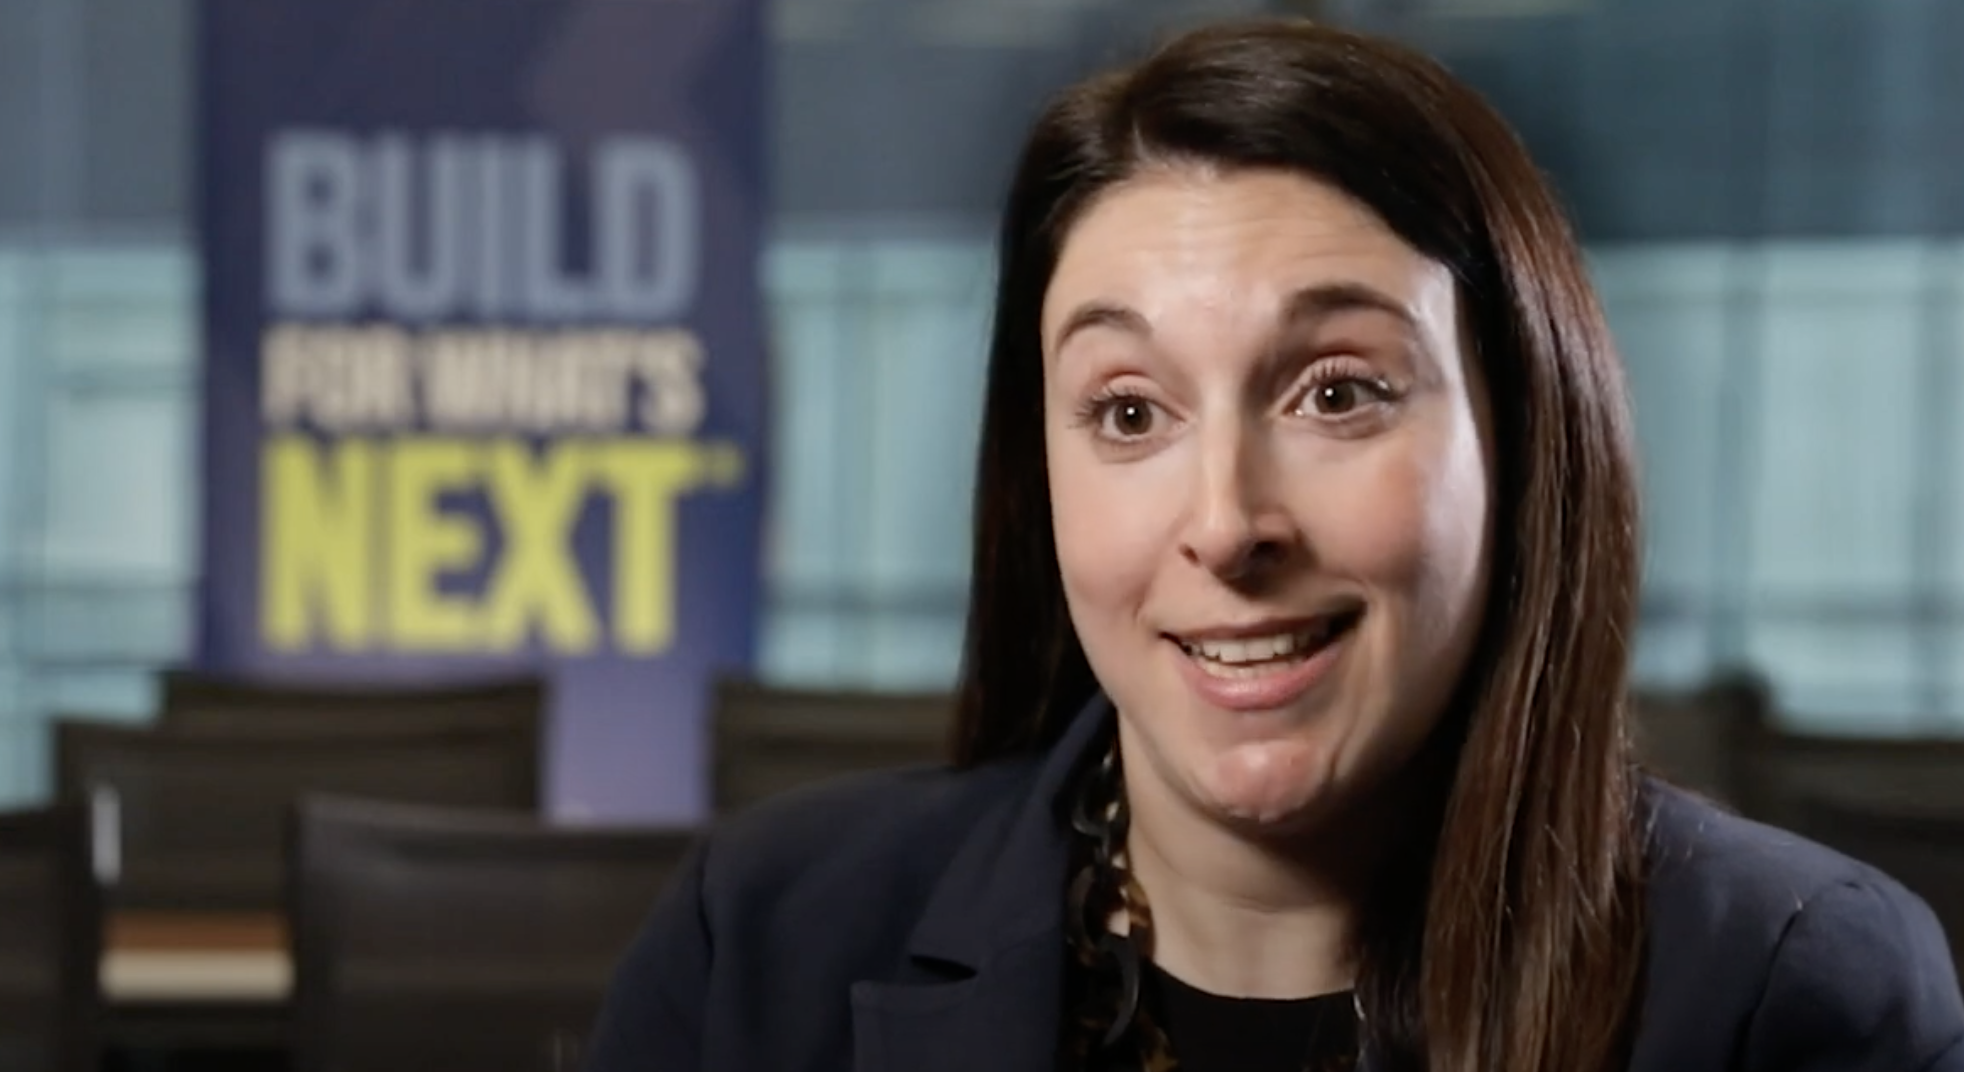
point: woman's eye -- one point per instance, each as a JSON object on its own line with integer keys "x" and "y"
{"x": 1337, "y": 399}
{"x": 1341, "y": 397}
{"x": 1129, "y": 418}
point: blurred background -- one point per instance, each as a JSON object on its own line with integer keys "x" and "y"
{"x": 1767, "y": 189}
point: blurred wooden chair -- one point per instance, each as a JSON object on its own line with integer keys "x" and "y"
{"x": 194, "y": 702}
{"x": 50, "y": 941}
{"x": 202, "y": 819}
{"x": 438, "y": 939}
{"x": 1923, "y": 850}
{"x": 770, "y": 739}
{"x": 1698, "y": 738}
{"x": 1723, "y": 741}
{"x": 1783, "y": 771}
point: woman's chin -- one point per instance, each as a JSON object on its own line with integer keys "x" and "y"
{"x": 1267, "y": 783}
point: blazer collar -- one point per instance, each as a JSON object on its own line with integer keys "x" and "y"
{"x": 994, "y": 927}
{"x": 1006, "y": 883}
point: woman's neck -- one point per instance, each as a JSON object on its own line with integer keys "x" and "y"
{"x": 1236, "y": 915}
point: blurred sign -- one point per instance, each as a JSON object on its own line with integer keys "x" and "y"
{"x": 485, "y": 368}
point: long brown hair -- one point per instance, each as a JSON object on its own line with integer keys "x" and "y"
{"x": 1520, "y": 943}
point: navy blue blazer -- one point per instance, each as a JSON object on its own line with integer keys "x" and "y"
{"x": 913, "y": 922}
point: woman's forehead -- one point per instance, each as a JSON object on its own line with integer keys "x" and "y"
{"x": 1269, "y": 246}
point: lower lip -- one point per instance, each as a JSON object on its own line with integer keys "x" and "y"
{"x": 1278, "y": 686}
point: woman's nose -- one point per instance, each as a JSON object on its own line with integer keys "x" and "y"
{"x": 1237, "y": 523}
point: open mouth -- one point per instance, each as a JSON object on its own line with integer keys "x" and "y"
{"x": 1255, "y": 656}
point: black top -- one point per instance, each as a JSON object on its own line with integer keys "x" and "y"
{"x": 1211, "y": 1033}
{"x": 914, "y": 922}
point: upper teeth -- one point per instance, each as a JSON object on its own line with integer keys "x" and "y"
{"x": 1256, "y": 649}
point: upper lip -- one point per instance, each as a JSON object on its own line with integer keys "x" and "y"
{"x": 1267, "y": 627}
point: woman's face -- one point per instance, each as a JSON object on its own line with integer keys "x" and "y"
{"x": 1269, "y": 483}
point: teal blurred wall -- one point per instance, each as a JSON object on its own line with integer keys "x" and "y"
{"x": 1765, "y": 190}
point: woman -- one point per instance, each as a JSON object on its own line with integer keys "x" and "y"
{"x": 1292, "y": 723}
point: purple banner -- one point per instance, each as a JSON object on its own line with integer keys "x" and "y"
{"x": 485, "y": 373}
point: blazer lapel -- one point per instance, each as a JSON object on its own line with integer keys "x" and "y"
{"x": 988, "y": 952}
